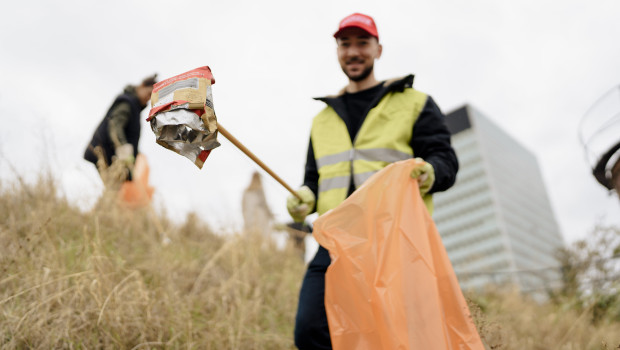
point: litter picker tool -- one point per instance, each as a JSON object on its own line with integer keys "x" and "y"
{"x": 183, "y": 119}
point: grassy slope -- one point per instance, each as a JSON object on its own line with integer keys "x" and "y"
{"x": 103, "y": 279}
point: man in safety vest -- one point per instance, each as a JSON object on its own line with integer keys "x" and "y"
{"x": 364, "y": 128}
{"x": 117, "y": 136}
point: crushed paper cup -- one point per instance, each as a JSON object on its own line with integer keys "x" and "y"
{"x": 182, "y": 115}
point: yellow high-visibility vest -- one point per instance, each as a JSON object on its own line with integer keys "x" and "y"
{"x": 383, "y": 138}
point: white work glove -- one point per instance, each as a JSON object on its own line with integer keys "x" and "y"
{"x": 425, "y": 174}
{"x": 124, "y": 153}
{"x": 299, "y": 209}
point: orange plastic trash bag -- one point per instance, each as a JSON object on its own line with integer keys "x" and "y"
{"x": 137, "y": 193}
{"x": 390, "y": 284}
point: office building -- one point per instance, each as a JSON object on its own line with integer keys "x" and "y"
{"x": 496, "y": 222}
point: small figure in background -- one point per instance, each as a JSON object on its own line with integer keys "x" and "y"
{"x": 257, "y": 217}
{"x": 116, "y": 138}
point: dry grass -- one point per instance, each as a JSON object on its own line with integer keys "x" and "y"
{"x": 509, "y": 320}
{"x": 103, "y": 279}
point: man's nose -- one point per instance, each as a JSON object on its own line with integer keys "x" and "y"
{"x": 353, "y": 51}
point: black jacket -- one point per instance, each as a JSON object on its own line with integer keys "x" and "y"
{"x": 131, "y": 129}
{"x": 430, "y": 139}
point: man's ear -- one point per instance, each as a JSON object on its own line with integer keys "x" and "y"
{"x": 380, "y": 51}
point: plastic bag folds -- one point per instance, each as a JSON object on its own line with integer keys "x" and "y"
{"x": 390, "y": 284}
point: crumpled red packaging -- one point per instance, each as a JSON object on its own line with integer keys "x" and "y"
{"x": 390, "y": 284}
{"x": 182, "y": 116}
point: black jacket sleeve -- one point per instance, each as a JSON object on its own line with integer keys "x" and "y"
{"x": 431, "y": 142}
{"x": 311, "y": 175}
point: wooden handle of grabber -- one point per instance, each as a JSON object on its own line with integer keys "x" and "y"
{"x": 248, "y": 153}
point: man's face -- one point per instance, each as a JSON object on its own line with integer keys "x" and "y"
{"x": 357, "y": 52}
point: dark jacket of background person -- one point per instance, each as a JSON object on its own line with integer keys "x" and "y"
{"x": 121, "y": 125}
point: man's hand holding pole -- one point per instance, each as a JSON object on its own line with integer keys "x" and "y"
{"x": 301, "y": 205}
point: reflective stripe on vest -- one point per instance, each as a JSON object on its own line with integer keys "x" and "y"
{"x": 383, "y": 138}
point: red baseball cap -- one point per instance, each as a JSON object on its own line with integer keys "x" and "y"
{"x": 358, "y": 20}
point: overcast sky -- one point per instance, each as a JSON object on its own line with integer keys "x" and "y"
{"x": 532, "y": 67}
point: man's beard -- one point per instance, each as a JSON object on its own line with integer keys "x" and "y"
{"x": 365, "y": 73}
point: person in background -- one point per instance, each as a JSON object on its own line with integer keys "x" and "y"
{"x": 257, "y": 217}
{"x": 365, "y": 127}
{"x": 116, "y": 138}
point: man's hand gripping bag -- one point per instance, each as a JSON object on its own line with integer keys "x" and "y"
{"x": 390, "y": 284}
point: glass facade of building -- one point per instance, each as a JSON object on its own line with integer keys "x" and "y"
{"x": 496, "y": 222}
